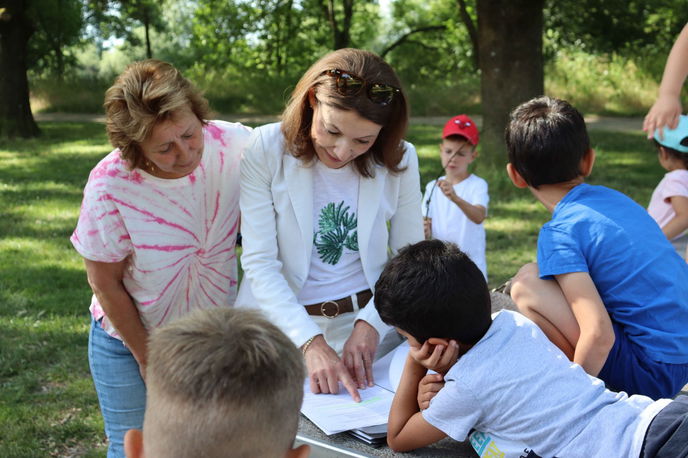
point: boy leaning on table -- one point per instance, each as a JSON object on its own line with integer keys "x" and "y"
{"x": 503, "y": 376}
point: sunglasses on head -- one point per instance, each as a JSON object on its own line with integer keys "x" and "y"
{"x": 350, "y": 84}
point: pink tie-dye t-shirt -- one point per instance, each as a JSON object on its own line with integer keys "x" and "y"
{"x": 178, "y": 234}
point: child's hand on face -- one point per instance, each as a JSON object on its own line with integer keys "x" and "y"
{"x": 428, "y": 388}
{"x": 447, "y": 188}
{"x": 435, "y": 355}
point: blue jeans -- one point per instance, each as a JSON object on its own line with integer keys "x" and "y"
{"x": 121, "y": 390}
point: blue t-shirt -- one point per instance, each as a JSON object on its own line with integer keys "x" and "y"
{"x": 641, "y": 279}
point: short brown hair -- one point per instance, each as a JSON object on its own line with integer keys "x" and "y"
{"x": 146, "y": 93}
{"x": 388, "y": 148}
{"x": 222, "y": 382}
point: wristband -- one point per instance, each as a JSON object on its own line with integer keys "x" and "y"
{"x": 305, "y": 346}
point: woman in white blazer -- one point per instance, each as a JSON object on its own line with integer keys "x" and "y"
{"x": 327, "y": 196}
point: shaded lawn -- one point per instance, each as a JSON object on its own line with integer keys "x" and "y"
{"x": 48, "y": 406}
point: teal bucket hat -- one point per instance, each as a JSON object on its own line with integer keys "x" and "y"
{"x": 675, "y": 138}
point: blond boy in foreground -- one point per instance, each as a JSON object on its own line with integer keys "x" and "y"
{"x": 221, "y": 382}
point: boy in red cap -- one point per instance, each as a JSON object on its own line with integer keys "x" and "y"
{"x": 455, "y": 204}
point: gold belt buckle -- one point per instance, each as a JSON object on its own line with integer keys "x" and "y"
{"x": 324, "y": 304}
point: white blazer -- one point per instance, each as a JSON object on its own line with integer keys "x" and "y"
{"x": 277, "y": 228}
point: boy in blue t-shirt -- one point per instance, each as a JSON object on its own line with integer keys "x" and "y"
{"x": 608, "y": 288}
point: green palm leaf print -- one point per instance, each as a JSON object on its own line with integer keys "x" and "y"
{"x": 337, "y": 230}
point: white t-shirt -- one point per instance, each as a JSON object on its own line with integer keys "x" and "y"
{"x": 450, "y": 223}
{"x": 335, "y": 270}
{"x": 178, "y": 234}
{"x": 514, "y": 383}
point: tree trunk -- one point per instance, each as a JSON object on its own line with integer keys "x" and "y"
{"x": 146, "y": 26}
{"x": 472, "y": 31}
{"x": 16, "y": 118}
{"x": 341, "y": 37}
{"x": 511, "y": 64}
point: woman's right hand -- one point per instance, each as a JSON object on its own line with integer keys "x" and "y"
{"x": 326, "y": 370}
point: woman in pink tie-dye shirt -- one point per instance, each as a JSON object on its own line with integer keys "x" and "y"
{"x": 157, "y": 228}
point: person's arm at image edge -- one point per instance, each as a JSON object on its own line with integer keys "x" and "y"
{"x": 406, "y": 427}
{"x": 105, "y": 279}
{"x": 596, "y": 336}
{"x": 667, "y": 108}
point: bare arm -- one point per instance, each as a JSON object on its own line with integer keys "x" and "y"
{"x": 596, "y": 331}
{"x": 667, "y": 108}
{"x": 105, "y": 279}
{"x": 679, "y": 222}
{"x": 475, "y": 213}
{"x": 407, "y": 429}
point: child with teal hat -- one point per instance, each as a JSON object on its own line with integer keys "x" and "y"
{"x": 669, "y": 202}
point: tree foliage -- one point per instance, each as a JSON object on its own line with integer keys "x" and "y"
{"x": 247, "y": 54}
{"x": 608, "y": 26}
{"x": 58, "y": 26}
{"x": 122, "y": 18}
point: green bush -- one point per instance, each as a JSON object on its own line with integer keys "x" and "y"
{"x": 229, "y": 91}
{"x": 595, "y": 84}
{"x": 74, "y": 94}
{"x": 604, "y": 84}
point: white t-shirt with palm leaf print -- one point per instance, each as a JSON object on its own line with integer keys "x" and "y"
{"x": 335, "y": 270}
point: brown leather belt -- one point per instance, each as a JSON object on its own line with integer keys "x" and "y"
{"x": 331, "y": 309}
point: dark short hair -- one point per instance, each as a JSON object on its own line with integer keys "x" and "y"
{"x": 388, "y": 149}
{"x": 432, "y": 289}
{"x": 546, "y": 139}
{"x": 676, "y": 154}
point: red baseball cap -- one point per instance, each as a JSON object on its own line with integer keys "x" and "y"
{"x": 464, "y": 126}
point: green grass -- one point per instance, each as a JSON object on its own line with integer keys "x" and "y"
{"x": 48, "y": 405}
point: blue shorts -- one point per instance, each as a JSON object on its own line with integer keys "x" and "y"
{"x": 667, "y": 435}
{"x": 628, "y": 369}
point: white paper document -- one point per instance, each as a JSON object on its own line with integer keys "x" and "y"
{"x": 334, "y": 413}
